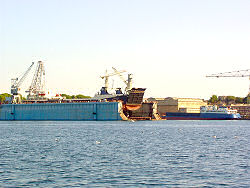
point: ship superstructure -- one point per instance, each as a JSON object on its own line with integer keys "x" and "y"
{"x": 206, "y": 113}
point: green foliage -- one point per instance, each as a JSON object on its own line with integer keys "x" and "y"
{"x": 23, "y": 98}
{"x": 246, "y": 100}
{"x": 6, "y": 95}
{"x": 213, "y": 99}
{"x": 229, "y": 100}
{"x": 80, "y": 96}
{"x": 239, "y": 100}
{"x": 66, "y": 96}
{"x": 3, "y": 97}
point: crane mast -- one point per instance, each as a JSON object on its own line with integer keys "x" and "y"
{"x": 240, "y": 73}
{"x": 37, "y": 87}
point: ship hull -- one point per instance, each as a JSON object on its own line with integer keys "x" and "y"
{"x": 88, "y": 111}
{"x": 201, "y": 116}
{"x": 190, "y": 118}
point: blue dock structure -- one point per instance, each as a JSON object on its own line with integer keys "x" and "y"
{"x": 87, "y": 111}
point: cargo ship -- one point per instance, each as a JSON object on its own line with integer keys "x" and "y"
{"x": 206, "y": 113}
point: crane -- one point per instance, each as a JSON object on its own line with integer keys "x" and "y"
{"x": 106, "y": 77}
{"x": 36, "y": 89}
{"x": 128, "y": 82}
{"x": 240, "y": 73}
{"x": 16, "y": 84}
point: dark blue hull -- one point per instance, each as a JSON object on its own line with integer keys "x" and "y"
{"x": 201, "y": 116}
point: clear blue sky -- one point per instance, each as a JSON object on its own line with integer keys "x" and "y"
{"x": 168, "y": 45}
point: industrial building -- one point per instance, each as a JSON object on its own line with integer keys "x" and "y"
{"x": 173, "y": 104}
{"x": 243, "y": 110}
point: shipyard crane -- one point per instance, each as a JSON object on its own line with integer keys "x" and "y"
{"x": 36, "y": 89}
{"x": 128, "y": 82}
{"x": 106, "y": 77}
{"x": 16, "y": 84}
{"x": 240, "y": 73}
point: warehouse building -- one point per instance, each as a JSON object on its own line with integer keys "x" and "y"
{"x": 173, "y": 104}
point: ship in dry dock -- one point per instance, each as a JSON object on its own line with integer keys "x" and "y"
{"x": 103, "y": 106}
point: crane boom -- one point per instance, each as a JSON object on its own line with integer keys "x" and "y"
{"x": 15, "y": 85}
{"x": 119, "y": 74}
{"x": 25, "y": 75}
{"x": 128, "y": 82}
{"x": 112, "y": 74}
{"x": 240, "y": 73}
{"x": 106, "y": 76}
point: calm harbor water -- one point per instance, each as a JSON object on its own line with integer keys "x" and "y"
{"x": 125, "y": 154}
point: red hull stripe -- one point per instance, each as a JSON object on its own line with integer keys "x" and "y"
{"x": 190, "y": 118}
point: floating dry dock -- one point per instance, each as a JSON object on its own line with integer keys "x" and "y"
{"x": 103, "y": 106}
{"x": 89, "y": 111}
{"x": 112, "y": 108}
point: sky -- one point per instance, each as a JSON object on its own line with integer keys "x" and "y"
{"x": 169, "y": 46}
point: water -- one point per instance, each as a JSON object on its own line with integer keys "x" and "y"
{"x": 125, "y": 154}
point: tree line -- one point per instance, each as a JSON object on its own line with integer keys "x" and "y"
{"x": 3, "y": 97}
{"x": 214, "y": 99}
{"x": 79, "y": 96}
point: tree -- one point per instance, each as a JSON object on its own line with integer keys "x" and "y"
{"x": 246, "y": 100}
{"x": 239, "y": 100}
{"x": 6, "y": 94}
{"x": 66, "y": 96}
{"x": 79, "y": 96}
{"x": 213, "y": 99}
{"x": 230, "y": 99}
{"x": 3, "y": 97}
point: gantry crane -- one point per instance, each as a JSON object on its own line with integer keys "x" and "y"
{"x": 240, "y": 73}
{"x": 16, "y": 84}
{"x": 37, "y": 87}
{"x": 128, "y": 82}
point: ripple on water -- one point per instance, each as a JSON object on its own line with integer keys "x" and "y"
{"x": 106, "y": 154}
